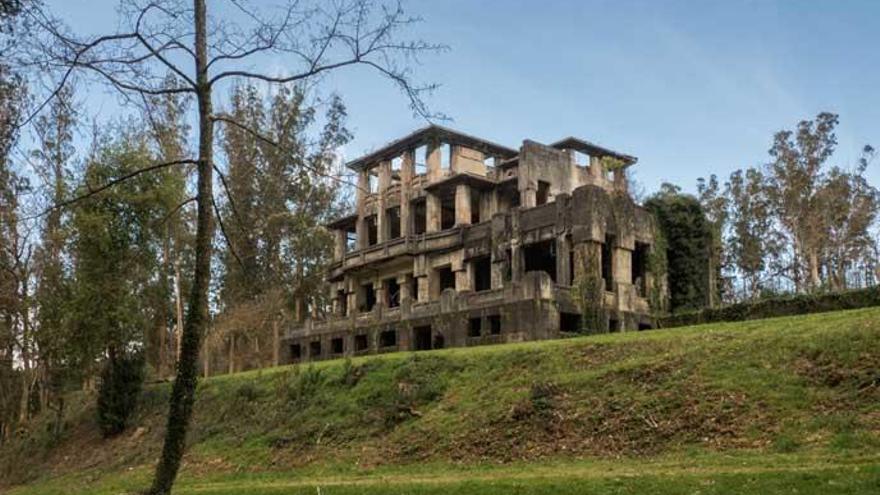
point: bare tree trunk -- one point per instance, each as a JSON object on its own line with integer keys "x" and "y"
{"x": 230, "y": 366}
{"x": 179, "y": 305}
{"x": 183, "y": 391}
{"x": 276, "y": 343}
{"x": 815, "y": 281}
{"x": 206, "y": 360}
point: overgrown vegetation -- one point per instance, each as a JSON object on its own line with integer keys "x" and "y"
{"x": 792, "y": 304}
{"x": 119, "y": 392}
{"x": 801, "y": 387}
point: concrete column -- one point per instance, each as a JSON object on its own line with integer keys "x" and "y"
{"x": 432, "y": 207}
{"x": 563, "y": 269}
{"x": 587, "y": 260}
{"x": 361, "y": 223}
{"x": 381, "y": 293}
{"x": 596, "y": 169}
{"x": 462, "y": 204}
{"x": 424, "y": 287}
{"x": 622, "y": 266}
{"x": 497, "y": 274}
{"x": 407, "y": 172}
{"x": 529, "y": 197}
{"x": 351, "y": 294}
{"x": 433, "y": 161}
{"x": 516, "y": 262}
{"x": 459, "y": 268}
{"x": 338, "y": 245}
{"x": 381, "y": 218}
{"x": 403, "y": 283}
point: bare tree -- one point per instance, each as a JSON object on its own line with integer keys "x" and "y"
{"x": 204, "y": 51}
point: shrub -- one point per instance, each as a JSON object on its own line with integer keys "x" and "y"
{"x": 796, "y": 304}
{"x": 121, "y": 381}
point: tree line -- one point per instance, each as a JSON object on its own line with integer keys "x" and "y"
{"x": 798, "y": 223}
{"x": 110, "y": 262}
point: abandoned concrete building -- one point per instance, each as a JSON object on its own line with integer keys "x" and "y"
{"x": 459, "y": 241}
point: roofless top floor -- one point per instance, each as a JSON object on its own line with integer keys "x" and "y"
{"x": 437, "y": 178}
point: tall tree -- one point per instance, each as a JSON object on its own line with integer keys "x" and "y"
{"x": 753, "y": 242}
{"x": 12, "y": 254}
{"x": 794, "y": 181}
{"x": 206, "y": 51}
{"x": 714, "y": 203}
{"x": 55, "y": 136}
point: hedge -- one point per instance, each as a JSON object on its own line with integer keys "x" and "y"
{"x": 797, "y": 304}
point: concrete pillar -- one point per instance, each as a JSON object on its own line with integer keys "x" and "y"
{"x": 382, "y": 229}
{"x": 587, "y": 260}
{"x": 433, "y": 209}
{"x": 433, "y": 160}
{"x": 381, "y": 293}
{"x": 516, "y": 262}
{"x": 462, "y": 204}
{"x": 563, "y": 269}
{"x": 423, "y": 284}
{"x": 407, "y": 172}
{"x": 497, "y": 274}
{"x": 459, "y": 268}
{"x": 529, "y": 197}
{"x": 622, "y": 266}
{"x": 338, "y": 245}
{"x": 596, "y": 169}
{"x": 361, "y": 223}
{"x": 403, "y": 283}
{"x": 351, "y": 294}
{"x": 488, "y": 204}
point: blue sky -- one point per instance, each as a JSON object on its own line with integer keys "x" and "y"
{"x": 690, "y": 87}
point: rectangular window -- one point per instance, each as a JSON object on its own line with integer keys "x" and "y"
{"x": 392, "y": 288}
{"x": 388, "y": 338}
{"x": 392, "y": 222}
{"x": 372, "y": 230}
{"x": 337, "y": 345}
{"x": 475, "y": 326}
{"x": 543, "y": 194}
{"x": 482, "y": 271}
{"x": 420, "y": 216}
{"x": 295, "y": 352}
{"x": 350, "y": 241}
{"x": 360, "y": 342}
{"x": 368, "y": 298}
{"x": 315, "y": 349}
{"x": 640, "y": 268}
{"x": 541, "y": 256}
{"x": 422, "y": 338}
{"x": 446, "y": 277}
{"x": 447, "y": 212}
{"x": 608, "y": 263}
{"x": 495, "y": 324}
{"x": 475, "y": 206}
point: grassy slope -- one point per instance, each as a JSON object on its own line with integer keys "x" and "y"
{"x": 763, "y": 405}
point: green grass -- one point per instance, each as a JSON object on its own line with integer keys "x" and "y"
{"x": 765, "y": 406}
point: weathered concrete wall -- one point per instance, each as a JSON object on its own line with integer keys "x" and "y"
{"x": 581, "y": 210}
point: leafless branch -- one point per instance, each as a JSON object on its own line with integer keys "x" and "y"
{"x": 110, "y": 184}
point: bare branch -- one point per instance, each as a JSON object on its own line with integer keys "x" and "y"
{"x": 228, "y": 120}
{"x": 110, "y": 184}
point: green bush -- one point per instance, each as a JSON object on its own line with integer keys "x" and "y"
{"x": 121, "y": 381}
{"x": 796, "y": 304}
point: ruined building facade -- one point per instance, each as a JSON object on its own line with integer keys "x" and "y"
{"x": 459, "y": 241}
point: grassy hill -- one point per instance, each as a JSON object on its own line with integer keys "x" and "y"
{"x": 764, "y": 406}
